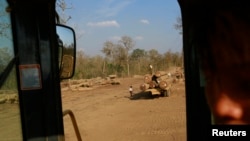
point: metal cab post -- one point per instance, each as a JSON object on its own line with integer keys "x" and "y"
{"x": 36, "y": 51}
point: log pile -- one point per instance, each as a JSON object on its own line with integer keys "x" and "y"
{"x": 159, "y": 79}
{"x": 9, "y": 98}
{"x": 178, "y": 75}
{"x": 157, "y": 84}
{"x": 88, "y": 84}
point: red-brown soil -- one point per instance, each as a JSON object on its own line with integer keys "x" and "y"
{"x": 108, "y": 113}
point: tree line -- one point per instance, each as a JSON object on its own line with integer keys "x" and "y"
{"x": 123, "y": 60}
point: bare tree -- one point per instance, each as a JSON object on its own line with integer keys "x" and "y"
{"x": 178, "y": 24}
{"x": 64, "y": 18}
{"x": 119, "y": 59}
{"x": 168, "y": 58}
{"x": 108, "y": 49}
{"x": 128, "y": 43}
{"x": 62, "y": 6}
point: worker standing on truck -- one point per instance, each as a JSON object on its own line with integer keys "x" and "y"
{"x": 150, "y": 69}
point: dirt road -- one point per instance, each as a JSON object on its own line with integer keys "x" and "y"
{"x": 108, "y": 113}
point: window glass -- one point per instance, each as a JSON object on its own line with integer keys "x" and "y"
{"x": 10, "y": 123}
{"x": 122, "y": 44}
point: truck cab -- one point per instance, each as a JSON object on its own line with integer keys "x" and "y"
{"x": 36, "y": 54}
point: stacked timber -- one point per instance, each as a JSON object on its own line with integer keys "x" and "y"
{"x": 3, "y": 100}
{"x": 9, "y": 98}
{"x": 114, "y": 80}
{"x": 88, "y": 84}
{"x": 157, "y": 80}
{"x": 178, "y": 75}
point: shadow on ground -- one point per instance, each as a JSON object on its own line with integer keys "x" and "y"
{"x": 143, "y": 95}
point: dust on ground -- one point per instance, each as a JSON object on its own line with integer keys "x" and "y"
{"x": 108, "y": 113}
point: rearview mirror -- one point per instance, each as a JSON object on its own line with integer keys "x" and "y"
{"x": 67, "y": 50}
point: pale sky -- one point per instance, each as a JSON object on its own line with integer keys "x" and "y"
{"x": 150, "y": 23}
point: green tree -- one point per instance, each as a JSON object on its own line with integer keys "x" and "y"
{"x": 80, "y": 60}
{"x": 137, "y": 57}
{"x": 5, "y": 58}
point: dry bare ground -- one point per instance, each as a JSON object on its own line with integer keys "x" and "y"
{"x": 108, "y": 113}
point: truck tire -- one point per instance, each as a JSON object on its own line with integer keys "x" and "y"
{"x": 166, "y": 93}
